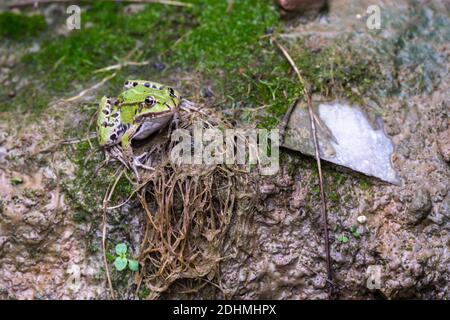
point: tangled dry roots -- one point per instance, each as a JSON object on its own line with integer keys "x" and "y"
{"x": 188, "y": 210}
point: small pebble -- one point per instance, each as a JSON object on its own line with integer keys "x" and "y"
{"x": 159, "y": 66}
{"x": 362, "y": 219}
{"x": 206, "y": 93}
{"x": 269, "y": 31}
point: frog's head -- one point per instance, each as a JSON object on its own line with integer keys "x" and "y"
{"x": 135, "y": 95}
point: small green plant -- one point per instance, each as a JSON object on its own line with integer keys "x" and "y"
{"x": 121, "y": 260}
{"x": 354, "y": 232}
{"x": 144, "y": 293}
{"x": 364, "y": 184}
{"x": 342, "y": 238}
{"x": 16, "y": 181}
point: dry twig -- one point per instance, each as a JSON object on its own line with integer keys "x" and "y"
{"x": 94, "y": 87}
{"x": 106, "y": 199}
{"x": 307, "y": 93}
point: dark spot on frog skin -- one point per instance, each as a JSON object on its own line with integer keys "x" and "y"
{"x": 113, "y": 137}
{"x": 115, "y": 115}
{"x": 106, "y": 112}
{"x": 147, "y": 84}
{"x": 135, "y": 84}
{"x": 105, "y": 124}
{"x": 126, "y": 83}
{"x": 172, "y": 93}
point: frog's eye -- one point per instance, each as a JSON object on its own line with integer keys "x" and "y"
{"x": 150, "y": 101}
{"x": 147, "y": 84}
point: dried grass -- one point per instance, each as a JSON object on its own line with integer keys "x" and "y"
{"x": 188, "y": 210}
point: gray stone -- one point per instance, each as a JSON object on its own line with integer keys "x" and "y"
{"x": 419, "y": 207}
{"x": 346, "y": 137}
{"x": 445, "y": 207}
{"x": 444, "y": 144}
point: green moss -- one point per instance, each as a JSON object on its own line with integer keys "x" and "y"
{"x": 364, "y": 184}
{"x": 35, "y": 99}
{"x": 107, "y": 34}
{"x": 226, "y": 36}
{"x": 225, "y": 46}
{"x": 19, "y": 26}
{"x": 80, "y": 216}
{"x": 228, "y": 46}
{"x": 90, "y": 184}
{"x": 144, "y": 292}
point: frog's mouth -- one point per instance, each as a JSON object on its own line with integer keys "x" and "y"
{"x": 150, "y": 127}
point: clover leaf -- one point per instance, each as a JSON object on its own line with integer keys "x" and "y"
{"x": 121, "y": 249}
{"x": 133, "y": 265}
{"x": 120, "y": 263}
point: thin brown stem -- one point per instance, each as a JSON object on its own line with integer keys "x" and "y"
{"x": 107, "y": 198}
{"x": 312, "y": 118}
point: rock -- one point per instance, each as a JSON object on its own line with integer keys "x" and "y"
{"x": 346, "y": 137}
{"x": 159, "y": 66}
{"x": 301, "y": 6}
{"x": 443, "y": 142}
{"x": 420, "y": 207}
{"x": 207, "y": 92}
{"x": 444, "y": 209}
{"x": 362, "y": 219}
{"x": 437, "y": 218}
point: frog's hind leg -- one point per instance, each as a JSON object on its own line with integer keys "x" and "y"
{"x": 117, "y": 154}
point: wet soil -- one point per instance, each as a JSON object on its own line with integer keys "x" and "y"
{"x": 275, "y": 247}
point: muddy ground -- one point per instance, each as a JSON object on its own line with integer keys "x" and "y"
{"x": 50, "y": 227}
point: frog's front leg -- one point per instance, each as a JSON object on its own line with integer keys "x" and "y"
{"x": 133, "y": 161}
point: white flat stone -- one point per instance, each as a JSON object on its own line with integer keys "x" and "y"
{"x": 346, "y": 137}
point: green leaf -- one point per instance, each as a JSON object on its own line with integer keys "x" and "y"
{"x": 121, "y": 249}
{"x": 342, "y": 239}
{"x": 16, "y": 180}
{"x": 120, "y": 263}
{"x": 110, "y": 257}
{"x": 133, "y": 265}
{"x": 355, "y": 233}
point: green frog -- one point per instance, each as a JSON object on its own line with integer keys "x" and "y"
{"x": 142, "y": 109}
